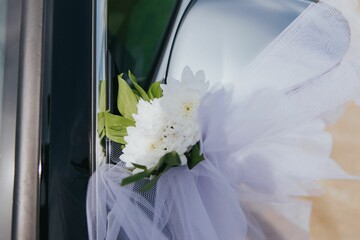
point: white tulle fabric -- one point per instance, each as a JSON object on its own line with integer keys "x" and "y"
{"x": 264, "y": 147}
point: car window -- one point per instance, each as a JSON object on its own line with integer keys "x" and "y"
{"x": 136, "y": 38}
{"x": 65, "y": 123}
{"x": 4, "y": 222}
{"x": 9, "y": 59}
{"x": 137, "y": 30}
{"x": 2, "y": 47}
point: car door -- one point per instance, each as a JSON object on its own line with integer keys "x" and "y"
{"x": 94, "y": 43}
{"x": 53, "y": 57}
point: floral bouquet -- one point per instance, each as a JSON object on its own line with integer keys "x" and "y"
{"x": 161, "y": 126}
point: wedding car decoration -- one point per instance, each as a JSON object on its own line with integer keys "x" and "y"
{"x": 255, "y": 143}
{"x": 157, "y": 129}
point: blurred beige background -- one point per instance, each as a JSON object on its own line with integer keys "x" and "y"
{"x": 336, "y": 214}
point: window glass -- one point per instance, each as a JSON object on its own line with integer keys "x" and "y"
{"x": 9, "y": 58}
{"x": 2, "y": 48}
{"x": 66, "y": 120}
{"x": 137, "y": 30}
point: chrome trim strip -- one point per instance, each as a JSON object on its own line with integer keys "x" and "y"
{"x": 8, "y": 115}
{"x": 93, "y": 111}
{"x": 27, "y": 153}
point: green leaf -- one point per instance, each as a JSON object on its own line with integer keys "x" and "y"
{"x": 115, "y": 138}
{"x": 102, "y": 96}
{"x": 147, "y": 186}
{"x": 102, "y": 107}
{"x": 137, "y": 95}
{"x": 172, "y": 159}
{"x": 139, "y": 166}
{"x": 116, "y": 126}
{"x": 135, "y": 178}
{"x": 169, "y": 160}
{"x": 101, "y": 125}
{"x": 116, "y": 120}
{"x": 160, "y": 166}
{"x": 141, "y": 91}
{"x": 126, "y": 100}
{"x": 155, "y": 90}
{"x": 195, "y": 156}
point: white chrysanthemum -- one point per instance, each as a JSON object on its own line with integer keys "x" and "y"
{"x": 166, "y": 124}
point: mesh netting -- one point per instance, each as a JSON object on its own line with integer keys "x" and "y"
{"x": 264, "y": 142}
